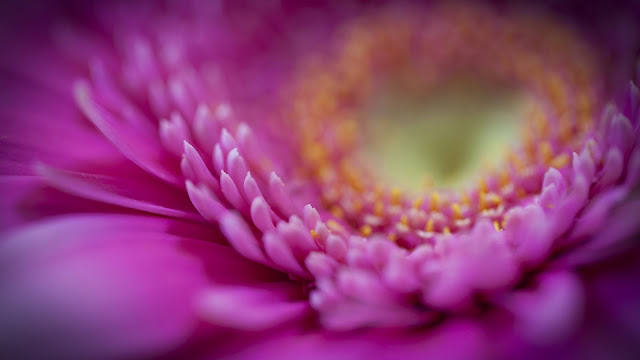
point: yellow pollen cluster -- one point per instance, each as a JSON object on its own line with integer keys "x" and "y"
{"x": 422, "y": 49}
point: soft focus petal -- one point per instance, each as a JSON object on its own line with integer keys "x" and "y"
{"x": 123, "y": 185}
{"x": 254, "y": 307}
{"x": 120, "y": 286}
{"x": 551, "y": 312}
{"x": 454, "y": 340}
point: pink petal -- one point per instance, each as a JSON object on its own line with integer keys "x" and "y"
{"x": 241, "y": 238}
{"x": 281, "y": 254}
{"x": 120, "y": 286}
{"x": 123, "y": 185}
{"x": 528, "y": 231}
{"x": 201, "y": 173}
{"x": 551, "y": 312}
{"x": 142, "y": 148}
{"x": 454, "y": 340}
{"x": 253, "y": 307}
{"x": 261, "y": 215}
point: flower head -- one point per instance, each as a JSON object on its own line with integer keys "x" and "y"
{"x": 207, "y": 179}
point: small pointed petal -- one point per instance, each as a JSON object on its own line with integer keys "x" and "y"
{"x": 236, "y": 166}
{"x": 218, "y": 158}
{"x": 281, "y": 254}
{"x": 251, "y": 189}
{"x": 311, "y": 216}
{"x": 241, "y": 237}
{"x": 181, "y": 97}
{"x": 612, "y": 170}
{"x": 173, "y": 134}
{"x": 563, "y": 215}
{"x": 200, "y": 170}
{"x": 227, "y": 142}
{"x": 583, "y": 165}
{"x": 298, "y": 237}
{"x": 621, "y": 133}
{"x": 261, "y": 215}
{"x": 205, "y": 128}
{"x": 231, "y": 193}
{"x": 206, "y": 202}
{"x": 247, "y": 142}
{"x": 279, "y": 195}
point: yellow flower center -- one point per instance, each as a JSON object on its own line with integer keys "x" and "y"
{"x": 443, "y": 139}
{"x": 420, "y": 122}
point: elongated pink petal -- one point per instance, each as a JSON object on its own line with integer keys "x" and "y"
{"x": 131, "y": 188}
{"x": 241, "y": 238}
{"x": 252, "y": 307}
{"x": 279, "y": 251}
{"x": 121, "y": 286}
{"x": 147, "y": 152}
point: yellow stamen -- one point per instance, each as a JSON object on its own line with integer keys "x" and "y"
{"x": 457, "y": 213}
{"x": 493, "y": 200}
{"x": 366, "y": 230}
{"x": 337, "y": 212}
{"x": 429, "y": 227}
{"x": 546, "y": 151}
{"x": 435, "y": 201}
{"x": 334, "y": 225}
{"x": 483, "y": 185}
{"x": 482, "y": 200}
{"x": 560, "y": 161}
{"x": 464, "y": 198}
{"x": 396, "y": 196}
{"x": 504, "y": 178}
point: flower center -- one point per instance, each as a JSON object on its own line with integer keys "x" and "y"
{"x": 444, "y": 139}
{"x": 407, "y": 96}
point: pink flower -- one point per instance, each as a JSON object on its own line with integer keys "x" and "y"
{"x": 205, "y": 180}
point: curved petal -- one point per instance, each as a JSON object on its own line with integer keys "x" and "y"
{"x": 122, "y": 185}
{"x": 120, "y": 286}
{"x": 618, "y": 232}
{"x": 453, "y": 340}
{"x": 37, "y": 124}
{"x": 144, "y": 149}
{"x": 28, "y": 198}
{"x": 551, "y": 312}
{"x": 254, "y": 307}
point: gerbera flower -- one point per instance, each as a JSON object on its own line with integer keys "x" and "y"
{"x": 331, "y": 181}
